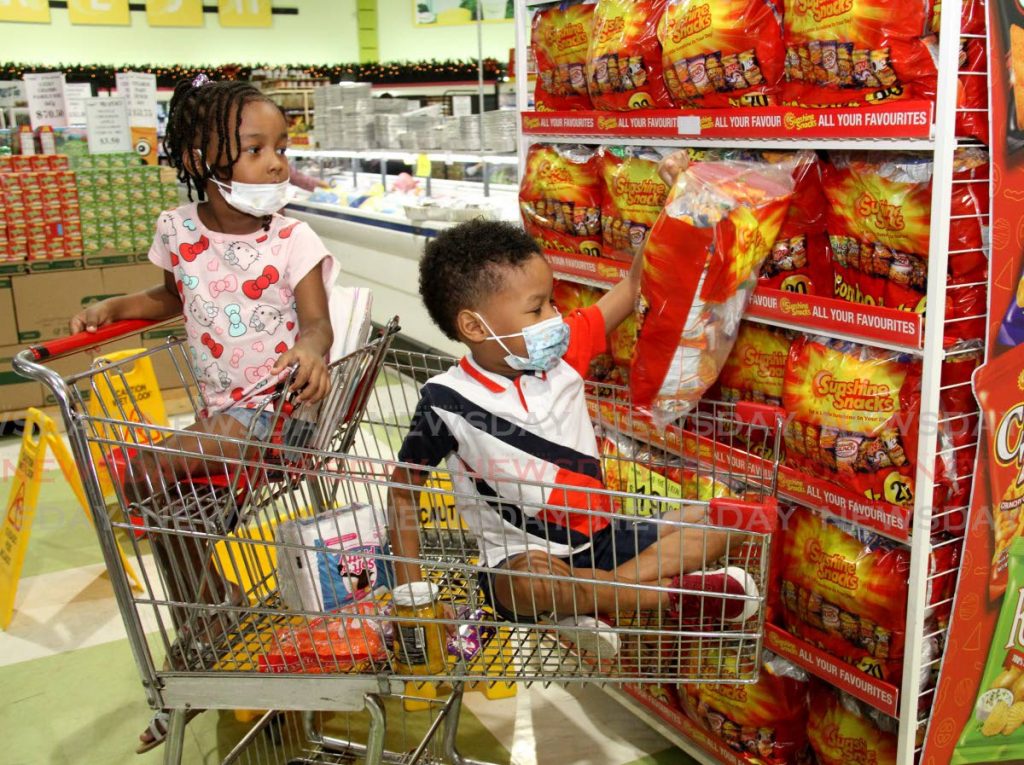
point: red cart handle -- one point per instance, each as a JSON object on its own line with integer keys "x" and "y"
{"x": 64, "y": 346}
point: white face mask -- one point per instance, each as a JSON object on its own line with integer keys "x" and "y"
{"x": 259, "y": 199}
{"x": 546, "y": 343}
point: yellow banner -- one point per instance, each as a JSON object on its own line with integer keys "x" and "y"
{"x": 104, "y": 12}
{"x": 34, "y": 11}
{"x": 244, "y": 13}
{"x": 174, "y": 13}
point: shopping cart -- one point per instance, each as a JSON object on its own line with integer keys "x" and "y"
{"x": 273, "y": 584}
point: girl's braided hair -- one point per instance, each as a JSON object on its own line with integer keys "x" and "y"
{"x": 206, "y": 115}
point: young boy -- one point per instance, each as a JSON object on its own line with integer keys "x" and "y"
{"x": 512, "y": 412}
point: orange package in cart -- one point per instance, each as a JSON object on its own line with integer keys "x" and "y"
{"x": 624, "y": 64}
{"x": 842, "y": 731}
{"x": 561, "y": 42}
{"x": 721, "y": 54}
{"x": 634, "y": 195}
{"x": 560, "y": 198}
{"x": 855, "y": 52}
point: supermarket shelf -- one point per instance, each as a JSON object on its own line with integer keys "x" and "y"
{"x": 675, "y": 726}
{"x": 905, "y": 125}
{"x": 847, "y": 678}
{"x": 409, "y": 157}
{"x": 602, "y": 273}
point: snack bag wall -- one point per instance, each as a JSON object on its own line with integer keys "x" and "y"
{"x": 843, "y": 731}
{"x": 560, "y": 198}
{"x": 624, "y": 63}
{"x": 561, "y": 42}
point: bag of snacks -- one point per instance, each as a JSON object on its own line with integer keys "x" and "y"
{"x": 722, "y": 54}
{"x": 624, "y": 63}
{"x": 560, "y": 198}
{"x": 634, "y": 195}
{"x": 765, "y": 723}
{"x": 855, "y": 54}
{"x": 700, "y": 267}
{"x": 756, "y": 368}
{"x": 841, "y": 730}
{"x": 561, "y": 41}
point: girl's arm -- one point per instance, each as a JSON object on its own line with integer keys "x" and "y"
{"x": 155, "y": 304}
{"x": 315, "y": 338}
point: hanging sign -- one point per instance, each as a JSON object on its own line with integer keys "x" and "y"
{"x": 75, "y": 96}
{"x": 244, "y": 13}
{"x": 34, "y": 11}
{"x": 140, "y": 90}
{"x": 102, "y": 12}
{"x": 174, "y": 13}
{"x": 46, "y": 99}
{"x": 107, "y": 123}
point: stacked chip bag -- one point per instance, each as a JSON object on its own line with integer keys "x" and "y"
{"x": 569, "y": 297}
{"x": 845, "y": 590}
{"x": 843, "y": 731}
{"x": 972, "y": 94}
{"x": 853, "y": 416}
{"x": 624, "y": 63}
{"x": 700, "y": 267}
{"x": 561, "y": 42}
{"x": 634, "y": 195}
{"x": 756, "y": 368}
{"x": 855, "y": 53}
{"x": 764, "y": 723}
{"x": 560, "y": 198}
{"x": 995, "y": 731}
{"x": 722, "y": 54}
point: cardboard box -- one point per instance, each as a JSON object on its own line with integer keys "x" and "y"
{"x": 16, "y": 393}
{"x": 45, "y": 302}
{"x": 8, "y": 322}
{"x": 122, "y": 280}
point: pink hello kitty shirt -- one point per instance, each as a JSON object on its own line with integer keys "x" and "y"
{"x": 237, "y": 296}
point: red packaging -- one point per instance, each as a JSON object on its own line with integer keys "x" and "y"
{"x": 561, "y": 43}
{"x": 333, "y": 643}
{"x": 633, "y": 197}
{"x": 58, "y": 162}
{"x": 560, "y": 198}
{"x": 721, "y": 54}
{"x": 855, "y": 53}
{"x": 756, "y": 368}
{"x": 624, "y": 62}
{"x": 843, "y": 732}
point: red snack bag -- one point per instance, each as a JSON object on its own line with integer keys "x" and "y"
{"x": 855, "y": 53}
{"x": 764, "y": 723}
{"x": 624, "y": 63}
{"x": 332, "y": 643}
{"x": 756, "y": 368}
{"x": 700, "y": 266}
{"x": 561, "y": 41}
{"x": 721, "y": 54}
{"x": 634, "y": 195}
{"x": 843, "y": 731}
{"x": 560, "y": 198}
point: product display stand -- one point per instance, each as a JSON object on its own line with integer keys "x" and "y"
{"x": 905, "y": 125}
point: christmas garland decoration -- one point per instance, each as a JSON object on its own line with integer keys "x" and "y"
{"x": 395, "y": 73}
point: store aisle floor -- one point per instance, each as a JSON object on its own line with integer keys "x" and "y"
{"x": 71, "y": 693}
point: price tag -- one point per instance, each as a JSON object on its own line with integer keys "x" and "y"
{"x": 46, "y": 99}
{"x": 107, "y": 123}
{"x": 140, "y": 90}
{"x": 422, "y": 166}
{"x": 75, "y": 96}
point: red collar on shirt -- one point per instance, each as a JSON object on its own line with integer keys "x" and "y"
{"x": 487, "y": 379}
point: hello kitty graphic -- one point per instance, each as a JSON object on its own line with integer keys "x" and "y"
{"x": 241, "y": 254}
{"x": 202, "y": 311}
{"x": 170, "y": 235}
{"x": 217, "y": 377}
{"x": 266, "y": 318}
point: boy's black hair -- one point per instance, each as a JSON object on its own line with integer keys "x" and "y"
{"x": 199, "y": 112}
{"x": 463, "y": 265}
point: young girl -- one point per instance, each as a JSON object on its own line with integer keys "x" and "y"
{"x": 252, "y": 286}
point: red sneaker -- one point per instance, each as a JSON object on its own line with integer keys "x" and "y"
{"x": 723, "y": 595}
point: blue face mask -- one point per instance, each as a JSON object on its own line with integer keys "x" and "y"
{"x": 546, "y": 343}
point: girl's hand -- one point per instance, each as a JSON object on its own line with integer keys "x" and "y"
{"x": 93, "y": 317}
{"x": 311, "y": 377}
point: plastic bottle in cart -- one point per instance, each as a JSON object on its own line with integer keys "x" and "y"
{"x": 420, "y": 647}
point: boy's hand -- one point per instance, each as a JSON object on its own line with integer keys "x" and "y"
{"x": 311, "y": 377}
{"x": 92, "y": 318}
{"x": 673, "y": 165}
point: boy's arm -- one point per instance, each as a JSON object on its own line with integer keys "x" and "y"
{"x": 404, "y": 521}
{"x": 155, "y": 304}
{"x": 617, "y": 303}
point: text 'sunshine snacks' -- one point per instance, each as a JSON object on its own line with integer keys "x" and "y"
{"x": 756, "y": 368}
{"x": 844, "y": 732}
{"x": 634, "y": 195}
{"x": 624, "y": 64}
{"x": 561, "y": 43}
{"x": 995, "y": 730}
{"x": 700, "y": 267}
{"x": 721, "y": 54}
{"x": 560, "y": 198}
{"x": 855, "y": 52}
{"x": 765, "y": 722}
{"x": 999, "y": 386}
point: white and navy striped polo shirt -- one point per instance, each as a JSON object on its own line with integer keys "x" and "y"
{"x": 498, "y": 432}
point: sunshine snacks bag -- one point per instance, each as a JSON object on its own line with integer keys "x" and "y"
{"x": 756, "y": 368}
{"x": 855, "y": 52}
{"x": 633, "y": 197}
{"x": 721, "y": 54}
{"x": 765, "y": 723}
{"x": 995, "y": 732}
{"x": 560, "y": 198}
{"x": 700, "y": 266}
{"x": 561, "y": 41}
{"x": 842, "y": 731}
{"x": 624, "y": 62}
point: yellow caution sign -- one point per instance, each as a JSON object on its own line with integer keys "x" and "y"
{"x": 40, "y": 434}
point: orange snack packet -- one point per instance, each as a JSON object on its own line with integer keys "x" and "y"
{"x": 624, "y": 62}
{"x": 560, "y": 198}
{"x": 561, "y": 42}
{"x": 634, "y": 195}
{"x": 843, "y": 731}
